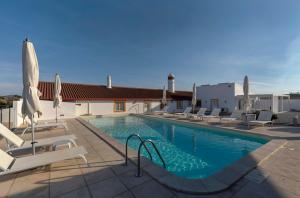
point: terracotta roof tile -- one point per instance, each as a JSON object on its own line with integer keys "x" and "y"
{"x": 81, "y": 92}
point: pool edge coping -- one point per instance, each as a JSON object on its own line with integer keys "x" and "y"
{"x": 218, "y": 182}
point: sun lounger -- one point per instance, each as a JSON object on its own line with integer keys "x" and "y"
{"x": 9, "y": 164}
{"x": 184, "y": 113}
{"x": 164, "y": 110}
{"x": 214, "y": 114}
{"x": 199, "y": 114}
{"x": 44, "y": 125}
{"x": 264, "y": 117}
{"x": 235, "y": 116}
{"x": 20, "y": 144}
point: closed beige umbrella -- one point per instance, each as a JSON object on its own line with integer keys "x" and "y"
{"x": 246, "y": 94}
{"x": 194, "y": 98}
{"x": 164, "y": 98}
{"x": 31, "y": 102}
{"x": 56, "y": 96}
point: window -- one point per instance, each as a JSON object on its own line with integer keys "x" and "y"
{"x": 179, "y": 104}
{"x": 119, "y": 106}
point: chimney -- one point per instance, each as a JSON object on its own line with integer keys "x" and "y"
{"x": 171, "y": 83}
{"x": 108, "y": 82}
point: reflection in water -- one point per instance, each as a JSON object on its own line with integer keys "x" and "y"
{"x": 173, "y": 133}
{"x": 194, "y": 143}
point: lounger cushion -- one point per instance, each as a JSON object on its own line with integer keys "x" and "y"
{"x": 10, "y": 136}
{"x": 265, "y": 116}
{"x": 33, "y": 161}
{"x": 259, "y": 122}
{"x": 49, "y": 141}
{"x": 5, "y": 160}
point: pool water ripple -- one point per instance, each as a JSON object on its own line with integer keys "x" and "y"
{"x": 190, "y": 152}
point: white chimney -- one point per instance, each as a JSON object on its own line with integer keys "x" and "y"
{"x": 171, "y": 83}
{"x": 108, "y": 82}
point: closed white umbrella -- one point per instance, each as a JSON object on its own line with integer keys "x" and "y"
{"x": 194, "y": 98}
{"x": 56, "y": 96}
{"x": 246, "y": 94}
{"x": 164, "y": 98}
{"x": 31, "y": 102}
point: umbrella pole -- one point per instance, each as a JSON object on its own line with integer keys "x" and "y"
{"x": 56, "y": 114}
{"x": 32, "y": 136}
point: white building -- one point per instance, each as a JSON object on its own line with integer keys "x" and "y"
{"x": 229, "y": 96}
{"x": 84, "y": 99}
{"x": 221, "y": 95}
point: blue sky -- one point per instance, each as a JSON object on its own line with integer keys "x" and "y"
{"x": 139, "y": 42}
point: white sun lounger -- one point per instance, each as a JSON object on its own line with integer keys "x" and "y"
{"x": 9, "y": 164}
{"x": 44, "y": 125}
{"x": 164, "y": 110}
{"x": 184, "y": 113}
{"x": 199, "y": 114}
{"x": 20, "y": 144}
{"x": 264, "y": 117}
{"x": 235, "y": 116}
{"x": 214, "y": 114}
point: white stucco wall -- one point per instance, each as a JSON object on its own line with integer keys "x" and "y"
{"x": 294, "y": 104}
{"x": 4, "y": 116}
{"x": 223, "y": 92}
{"x": 267, "y": 102}
{"x": 82, "y": 108}
{"x": 66, "y": 110}
{"x": 172, "y": 106}
{"x": 74, "y": 109}
{"x": 107, "y": 107}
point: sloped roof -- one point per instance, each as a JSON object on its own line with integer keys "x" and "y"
{"x": 85, "y": 92}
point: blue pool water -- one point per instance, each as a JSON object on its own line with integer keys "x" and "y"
{"x": 189, "y": 151}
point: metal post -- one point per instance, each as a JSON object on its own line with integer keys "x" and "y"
{"x": 139, "y": 174}
{"x": 126, "y": 147}
{"x": 1, "y": 115}
{"x": 32, "y": 135}
{"x": 56, "y": 113}
{"x": 9, "y": 117}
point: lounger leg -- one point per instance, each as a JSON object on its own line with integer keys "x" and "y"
{"x": 84, "y": 158}
{"x": 69, "y": 142}
{"x": 73, "y": 142}
{"x": 66, "y": 127}
{"x": 24, "y": 131}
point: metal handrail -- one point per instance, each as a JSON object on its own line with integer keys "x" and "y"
{"x": 126, "y": 149}
{"x": 139, "y": 156}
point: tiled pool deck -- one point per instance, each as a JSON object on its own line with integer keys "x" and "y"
{"x": 105, "y": 175}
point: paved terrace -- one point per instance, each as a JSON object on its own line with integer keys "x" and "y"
{"x": 105, "y": 175}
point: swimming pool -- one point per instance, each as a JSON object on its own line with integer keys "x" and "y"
{"x": 189, "y": 151}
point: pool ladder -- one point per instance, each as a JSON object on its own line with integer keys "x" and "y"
{"x": 142, "y": 143}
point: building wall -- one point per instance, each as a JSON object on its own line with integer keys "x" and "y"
{"x": 172, "y": 106}
{"x": 82, "y": 108}
{"x": 74, "y": 109}
{"x": 107, "y": 107}
{"x": 266, "y": 102}
{"x": 6, "y": 117}
{"x": 224, "y": 93}
{"x": 294, "y": 104}
{"x": 66, "y": 110}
